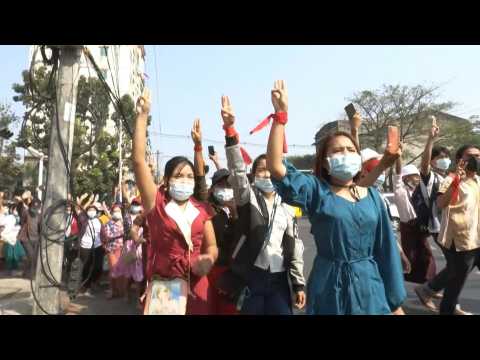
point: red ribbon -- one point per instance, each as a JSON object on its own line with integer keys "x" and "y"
{"x": 280, "y": 117}
{"x": 246, "y": 158}
{"x": 197, "y": 148}
{"x": 455, "y": 190}
{"x": 231, "y": 132}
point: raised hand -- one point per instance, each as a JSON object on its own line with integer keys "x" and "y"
{"x": 435, "y": 129}
{"x": 143, "y": 103}
{"x": 280, "y": 96}
{"x": 227, "y": 113}
{"x": 213, "y": 157}
{"x": 460, "y": 169}
{"x": 196, "y": 132}
{"x": 81, "y": 199}
{"x": 355, "y": 121}
{"x": 389, "y": 157}
{"x": 104, "y": 206}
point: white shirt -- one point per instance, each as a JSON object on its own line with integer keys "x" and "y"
{"x": 10, "y": 228}
{"x": 272, "y": 255}
{"x": 403, "y": 195}
{"x": 93, "y": 230}
{"x": 183, "y": 218}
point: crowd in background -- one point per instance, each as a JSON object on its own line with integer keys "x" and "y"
{"x": 230, "y": 244}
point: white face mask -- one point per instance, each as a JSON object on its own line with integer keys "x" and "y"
{"x": 117, "y": 215}
{"x": 264, "y": 184}
{"x": 344, "y": 166}
{"x": 181, "y": 191}
{"x": 443, "y": 164}
{"x": 135, "y": 209}
{"x": 92, "y": 214}
{"x": 223, "y": 195}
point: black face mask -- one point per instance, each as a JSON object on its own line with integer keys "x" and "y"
{"x": 473, "y": 165}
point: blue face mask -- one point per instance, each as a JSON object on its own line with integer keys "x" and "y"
{"x": 181, "y": 191}
{"x": 443, "y": 164}
{"x": 264, "y": 184}
{"x": 380, "y": 181}
{"x": 344, "y": 167}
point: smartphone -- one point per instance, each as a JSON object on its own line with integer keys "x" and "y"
{"x": 211, "y": 150}
{"x": 350, "y": 110}
{"x": 393, "y": 139}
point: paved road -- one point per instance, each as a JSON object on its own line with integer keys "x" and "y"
{"x": 469, "y": 299}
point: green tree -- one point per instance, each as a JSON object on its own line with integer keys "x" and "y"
{"x": 11, "y": 171}
{"x": 402, "y": 106}
{"x": 37, "y": 95}
{"x": 94, "y": 154}
{"x": 304, "y": 162}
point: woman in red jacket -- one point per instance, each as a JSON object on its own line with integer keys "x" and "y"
{"x": 182, "y": 237}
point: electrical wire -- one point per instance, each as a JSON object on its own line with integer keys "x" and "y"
{"x": 214, "y": 141}
{"x": 114, "y": 99}
{"x": 49, "y": 276}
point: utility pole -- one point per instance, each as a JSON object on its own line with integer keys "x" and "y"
{"x": 53, "y": 232}
{"x": 120, "y": 162}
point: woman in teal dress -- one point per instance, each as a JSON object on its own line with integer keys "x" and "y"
{"x": 357, "y": 269}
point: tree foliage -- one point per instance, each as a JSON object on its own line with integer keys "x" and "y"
{"x": 95, "y": 151}
{"x": 402, "y": 106}
{"x": 11, "y": 171}
{"x": 304, "y": 162}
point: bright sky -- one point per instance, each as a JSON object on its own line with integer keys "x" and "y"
{"x": 192, "y": 79}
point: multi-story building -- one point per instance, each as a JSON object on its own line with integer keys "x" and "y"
{"x": 123, "y": 67}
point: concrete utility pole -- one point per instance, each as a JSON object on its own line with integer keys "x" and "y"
{"x": 57, "y": 183}
{"x": 120, "y": 161}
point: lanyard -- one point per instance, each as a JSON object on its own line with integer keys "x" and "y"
{"x": 270, "y": 223}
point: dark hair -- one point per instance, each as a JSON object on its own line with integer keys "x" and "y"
{"x": 35, "y": 203}
{"x": 464, "y": 148}
{"x": 172, "y": 164}
{"x": 255, "y": 163}
{"x": 320, "y": 171}
{"x": 437, "y": 150}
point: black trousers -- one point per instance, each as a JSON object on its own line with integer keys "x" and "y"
{"x": 459, "y": 266}
{"x": 31, "y": 250}
{"x": 92, "y": 260}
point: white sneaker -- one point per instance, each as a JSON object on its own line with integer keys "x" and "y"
{"x": 460, "y": 311}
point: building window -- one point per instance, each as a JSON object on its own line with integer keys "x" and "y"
{"x": 104, "y": 51}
